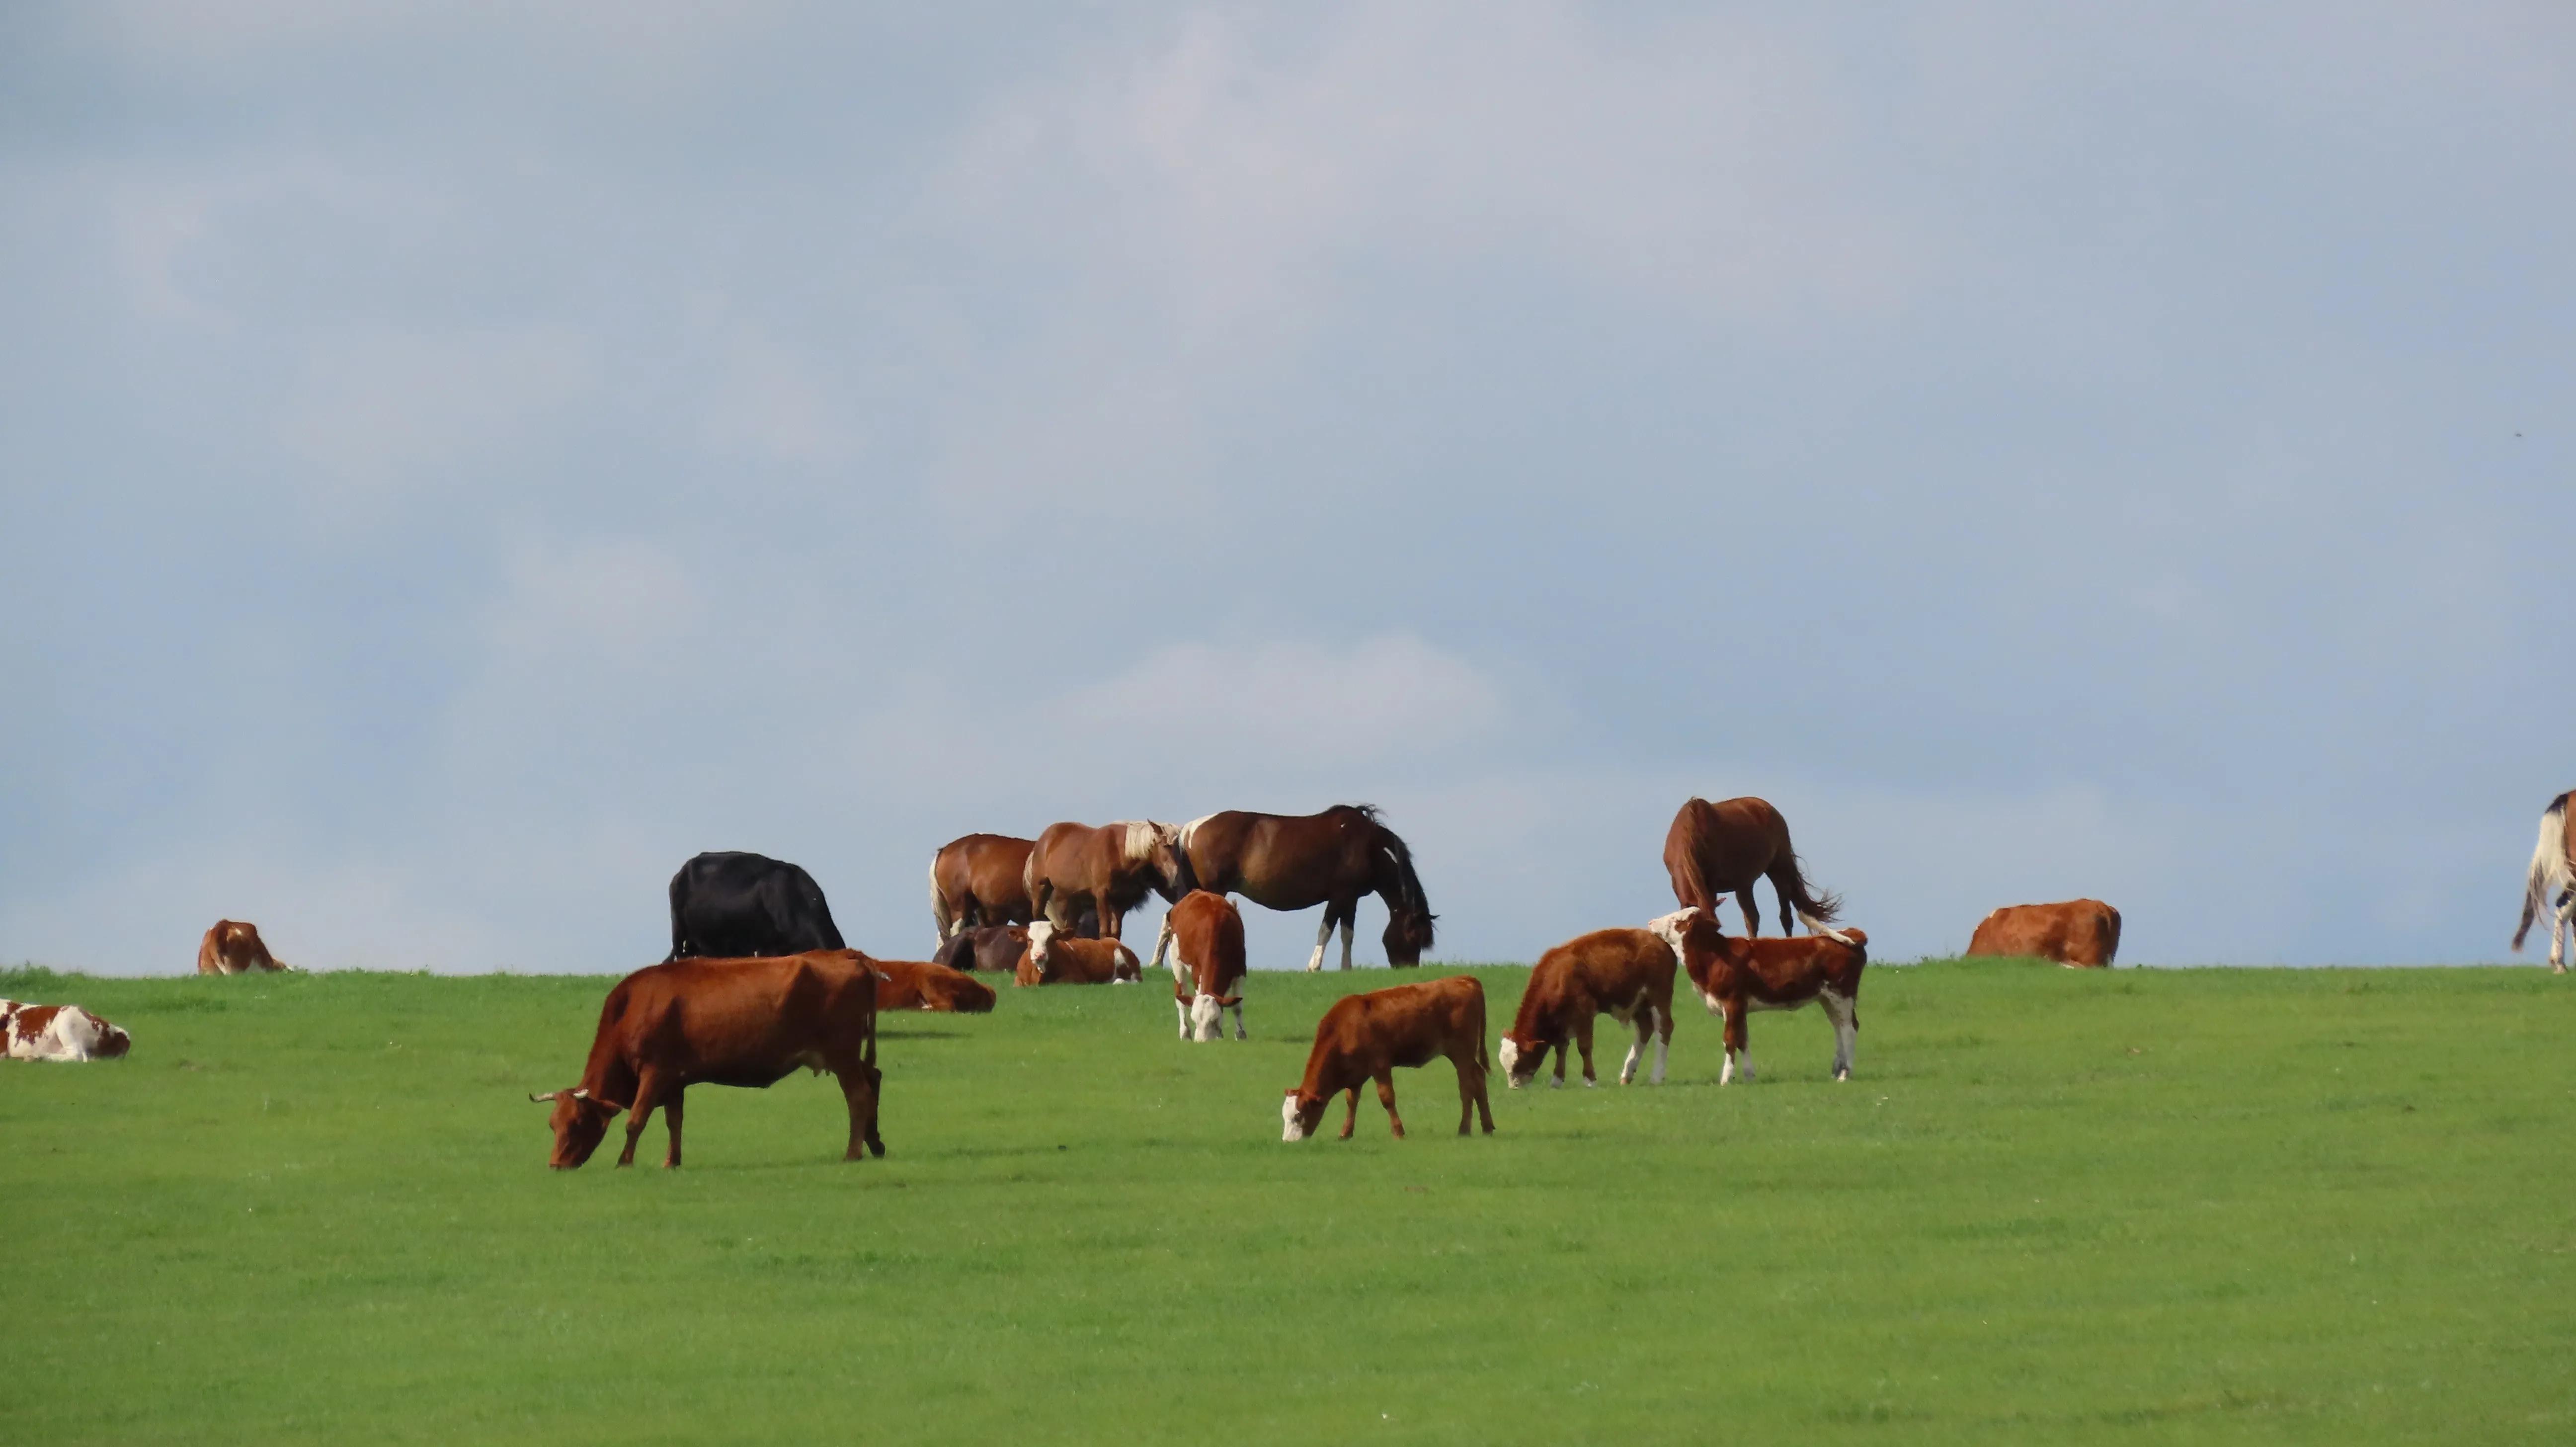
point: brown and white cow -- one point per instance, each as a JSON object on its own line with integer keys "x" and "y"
{"x": 62, "y": 1033}
{"x": 747, "y": 1022}
{"x": 1623, "y": 973}
{"x": 985, "y": 947}
{"x": 2077, "y": 933}
{"x": 1365, "y": 1037}
{"x": 233, "y": 947}
{"x": 1052, "y": 958}
{"x": 1205, "y": 934}
{"x": 1112, "y": 867}
{"x": 1738, "y": 976}
{"x": 921, "y": 985}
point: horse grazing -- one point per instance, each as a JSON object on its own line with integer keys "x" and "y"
{"x": 2553, "y": 873}
{"x": 1297, "y": 861}
{"x": 1109, "y": 869}
{"x": 980, "y": 879}
{"x": 1715, "y": 849}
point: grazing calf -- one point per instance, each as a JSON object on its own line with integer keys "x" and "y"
{"x": 1736, "y": 977}
{"x": 984, "y": 947}
{"x": 920, "y": 985}
{"x": 2078, "y": 933}
{"x": 1056, "y": 959}
{"x": 1626, "y": 973}
{"x": 1364, "y": 1037}
{"x": 62, "y": 1033}
{"x": 748, "y": 1022}
{"x": 1206, "y": 938}
{"x": 233, "y": 947}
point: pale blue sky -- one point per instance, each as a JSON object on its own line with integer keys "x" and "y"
{"x": 454, "y": 465}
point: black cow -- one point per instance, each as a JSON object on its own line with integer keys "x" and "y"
{"x": 732, "y": 905}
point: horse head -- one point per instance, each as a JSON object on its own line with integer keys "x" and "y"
{"x": 1408, "y": 934}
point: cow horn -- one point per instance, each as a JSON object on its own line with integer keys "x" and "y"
{"x": 542, "y": 1099}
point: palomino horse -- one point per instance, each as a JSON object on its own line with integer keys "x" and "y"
{"x": 980, "y": 879}
{"x": 1109, "y": 868}
{"x": 2553, "y": 873}
{"x": 1298, "y": 861}
{"x": 1715, "y": 849}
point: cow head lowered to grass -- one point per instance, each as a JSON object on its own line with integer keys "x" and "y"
{"x": 579, "y": 1122}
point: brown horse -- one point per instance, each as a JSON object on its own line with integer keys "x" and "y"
{"x": 1298, "y": 861}
{"x": 1715, "y": 849}
{"x": 1109, "y": 868}
{"x": 980, "y": 879}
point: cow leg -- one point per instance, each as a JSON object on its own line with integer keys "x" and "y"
{"x": 1466, "y": 1089}
{"x": 1182, "y": 1008}
{"x": 1844, "y": 1011}
{"x": 1386, "y": 1097}
{"x": 1752, "y": 918}
{"x": 1351, "y": 1117}
{"x": 1733, "y": 1031}
{"x": 648, "y": 1094}
{"x": 671, "y": 1122}
{"x": 1238, "y": 1021}
{"x": 1663, "y": 1039}
{"x": 860, "y": 1085}
{"x": 1315, "y": 961}
{"x": 1645, "y": 1023}
{"x": 1583, "y": 1042}
{"x": 1484, "y": 1106}
{"x": 1557, "y": 1081}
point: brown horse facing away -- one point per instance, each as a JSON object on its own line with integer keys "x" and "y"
{"x": 980, "y": 879}
{"x": 1715, "y": 849}
{"x": 1297, "y": 861}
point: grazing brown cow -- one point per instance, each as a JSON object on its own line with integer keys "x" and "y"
{"x": 1059, "y": 959}
{"x": 980, "y": 879}
{"x": 2078, "y": 933}
{"x": 1721, "y": 848}
{"x": 233, "y": 947}
{"x": 1364, "y": 1037}
{"x": 2553, "y": 873}
{"x": 1112, "y": 868}
{"x": 1206, "y": 937}
{"x": 1736, "y": 977}
{"x": 748, "y": 1022}
{"x": 1625, "y": 973}
{"x": 985, "y": 947}
{"x": 920, "y": 985}
{"x": 60, "y": 1033}
{"x": 1298, "y": 861}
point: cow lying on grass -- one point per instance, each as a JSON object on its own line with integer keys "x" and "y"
{"x": 2081, "y": 933}
{"x": 748, "y": 1022}
{"x": 59, "y": 1033}
{"x": 1737, "y": 976}
{"x": 1205, "y": 934}
{"x": 1365, "y": 1037}
{"x": 920, "y": 985}
{"x": 1052, "y": 958}
{"x": 233, "y": 947}
{"x": 1623, "y": 973}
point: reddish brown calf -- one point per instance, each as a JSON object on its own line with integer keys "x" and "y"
{"x": 1205, "y": 934}
{"x": 920, "y": 985}
{"x": 1738, "y": 976}
{"x": 1625, "y": 973}
{"x": 1057, "y": 959}
{"x": 1365, "y": 1037}
{"x": 2079, "y": 932}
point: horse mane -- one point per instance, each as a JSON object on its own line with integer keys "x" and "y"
{"x": 1365, "y": 811}
{"x": 1409, "y": 884}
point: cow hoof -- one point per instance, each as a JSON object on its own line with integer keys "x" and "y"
{"x": 1841, "y": 1075}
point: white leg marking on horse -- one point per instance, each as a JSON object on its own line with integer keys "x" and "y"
{"x": 1323, "y": 934}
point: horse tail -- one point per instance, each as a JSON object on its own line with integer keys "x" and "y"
{"x": 1815, "y": 908}
{"x": 939, "y": 899}
{"x": 1408, "y": 884}
{"x": 2548, "y": 865}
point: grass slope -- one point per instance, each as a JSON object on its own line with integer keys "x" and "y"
{"x": 2193, "y": 1205}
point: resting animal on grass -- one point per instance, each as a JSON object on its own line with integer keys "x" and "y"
{"x": 1057, "y": 959}
{"x": 920, "y": 985}
{"x": 1737, "y": 976}
{"x": 2079, "y": 932}
{"x": 233, "y": 947}
{"x": 59, "y": 1033}
{"x": 983, "y": 947}
{"x": 1205, "y": 934}
{"x": 748, "y": 1022}
{"x": 1365, "y": 1037}
{"x": 1624, "y": 973}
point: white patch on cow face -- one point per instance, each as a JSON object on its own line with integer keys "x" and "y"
{"x": 1206, "y": 1016}
{"x": 1507, "y": 1052}
{"x": 1289, "y": 1129}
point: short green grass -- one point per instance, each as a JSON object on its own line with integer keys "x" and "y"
{"x": 2318, "y": 1205}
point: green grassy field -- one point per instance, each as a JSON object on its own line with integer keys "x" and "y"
{"x": 2316, "y": 1205}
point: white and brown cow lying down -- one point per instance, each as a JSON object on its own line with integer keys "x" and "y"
{"x": 921, "y": 985}
{"x": 1057, "y": 959}
{"x": 1205, "y": 935}
{"x": 233, "y": 947}
{"x": 59, "y": 1033}
{"x": 1365, "y": 1037}
{"x": 2078, "y": 933}
{"x": 1738, "y": 976}
{"x": 1623, "y": 973}
{"x": 748, "y": 1022}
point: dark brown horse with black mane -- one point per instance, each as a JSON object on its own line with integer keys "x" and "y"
{"x": 1721, "y": 848}
{"x": 1298, "y": 861}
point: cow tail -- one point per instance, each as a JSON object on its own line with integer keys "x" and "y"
{"x": 1483, "y": 1062}
{"x": 2548, "y": 862}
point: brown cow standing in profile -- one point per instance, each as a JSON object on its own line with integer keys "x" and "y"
{"x": 921, "y": 985}
{"x": 1112, "y": 868}
{"x": 2079, "y": 933}
{"x": 233, "y": 947}
{"x": 1737, "y": 977}
{"x": 1060, "y": 959}
{"x": 747, "y": 1022}
{"x": 1365, "y": 1037}
{"x": 1623, "y": 973}
{"x": 980, "y": 879}
{"x": 1205, "y": 934}
{"x": 1721, "y": 848}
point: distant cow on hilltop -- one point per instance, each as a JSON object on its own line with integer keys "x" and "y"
{"x": 233, "y": 947}
{"x": 2081, "y": 933}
